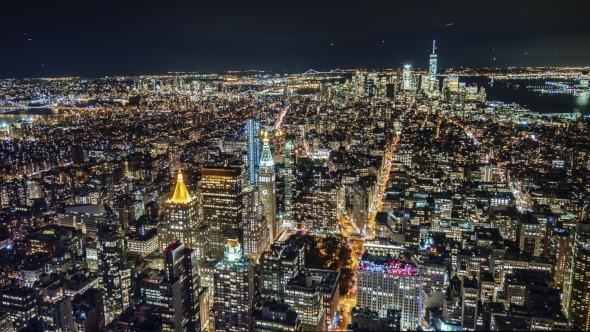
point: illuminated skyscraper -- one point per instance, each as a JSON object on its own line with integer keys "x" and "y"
{"x": 180, "y": 290}
{"x": 575, "y": 299}
{"x": 288, "y": 179}
{"x": 253, "y": 132}
{"x": 408, "y": 84}
{"x": 432, "y": 67}
{"x": 180, "y": 218}
{"x": 255, "y": 226}
{"x": 234, "y": 290}
{"x": 222, "y": 205}
{"x": 113, "y": 274}
{"x": 267, "y": 190}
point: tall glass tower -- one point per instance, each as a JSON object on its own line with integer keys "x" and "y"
{"x": 407, "y": 77}
{"x": 432, "y": 67}
{"x": 253, "y": 132}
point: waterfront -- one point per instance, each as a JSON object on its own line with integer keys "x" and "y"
{"x": 533, "y": 100}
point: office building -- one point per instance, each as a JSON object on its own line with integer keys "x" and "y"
{"x": 112, "y": 271}
{"x": 303, "y": 294}
{"x": 234, "y": 290}
{"x": 275, "y": 316}
{"x": 180, "y": 290}
{"x": 386, "y": 283}
{"x": 180, "y": 217}
{"x": 85, "y": 217}
{"x": 267, "y": 190}
{"x": 253, "y": 131}
{"x": 287, "y": 219}
{"x": 432, "y": 68}
{"x": 576, "y": 300}
{"x": 279, "y": 264}
{"x": 256, "y": 237}
{"x": 55, "y": 311}
{"x": 20, "y": 304}
{"x": 407, "y": 77}
{"x": 222, "y": 206}
{"x": 88, "y": 311}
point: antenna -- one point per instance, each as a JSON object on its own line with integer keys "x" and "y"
{"x": 433, "y": 46}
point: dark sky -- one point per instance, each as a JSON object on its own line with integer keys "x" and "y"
{"x": 128, "y": 37}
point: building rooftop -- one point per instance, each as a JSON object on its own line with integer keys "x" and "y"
{"x": 386, "y": 264}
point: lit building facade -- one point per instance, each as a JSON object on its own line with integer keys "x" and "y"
{"x": 234, "y": 291}
{"x": 267, "y": 190}
{"x": 222, "y": 206}
{"x": 407, "y": 74}
{"x": 256, "y": 236}
{"x": 180, "y": 290}
{"x": 253, "y": 132}
{"x": 278, "y": 265}
{"x": 576, "y": 300}
{"x": 385, "y": 283}
{"x": 432, "y": 68}
{"x": 180, "y": 217}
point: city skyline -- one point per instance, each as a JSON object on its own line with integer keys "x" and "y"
{"x": 418, "y": 198}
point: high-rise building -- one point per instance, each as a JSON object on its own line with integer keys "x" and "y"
{"x": 180, "y": 217}
{"x": 288, "y": 179}
{"x": 112, "y": 272}
{"x": 559, "y": 249}
{"x": 278, "y": 265}
{"x": 386, "y": 283}
{"x": 234, "y": 290}
{"x": 256, "y": 236}
{"x": 407, "y": 74}
{"x": 303, "y": 294}
{"x": 222, "y": 206}
{"x": 267, "y": 190}
{"x": 469, "y": 301}
{"x": 20, "y": 303}
{"x": 253, "y": 132}
{"x": 432, "y": 68}
{"x": 180, "y": 291}
{"x": 274, "y": 316}
{"x": 88, "y": 308}
{"x": 576, "y": 300}
{"x": 55, "y": 311}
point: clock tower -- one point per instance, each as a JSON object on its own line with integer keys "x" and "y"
{"x": 267, "y": 189}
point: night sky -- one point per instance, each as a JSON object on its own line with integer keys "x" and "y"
{"x": 97, "y": 38}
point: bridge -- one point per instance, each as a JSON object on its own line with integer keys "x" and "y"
{"x": 310, "y": 72}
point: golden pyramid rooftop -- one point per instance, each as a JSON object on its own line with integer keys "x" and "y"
{"x": 181, "y": 194}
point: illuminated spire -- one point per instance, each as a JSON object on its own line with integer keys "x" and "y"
{"x": 266, "y": 155}
{"x": 181, "y": 194}
{"x": 434, "y": 46}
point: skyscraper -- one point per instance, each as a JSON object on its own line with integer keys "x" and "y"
{"x": 432, "y": 67}
{"x": 267, "y": 190}
{"x": 288, "y": 179}
{"x": 576, "y": 300}
{"x": 180, "y": 218}
{"x": 222, "y": 205}
{"x": 253, "y": 132}
{"x": 180, "y": 291}
{"x": 111, "y": 271}
{"x": 234, "y": 290}
{"x": 256, "y": 236}
{"x": 408, "y": 84}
